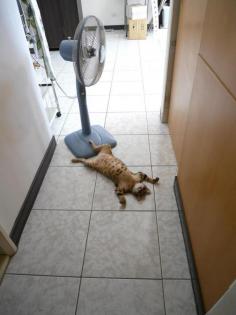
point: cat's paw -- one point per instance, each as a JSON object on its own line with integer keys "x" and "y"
{"x": 122, "y": 205}
{"x": 156, "y": 180}
{"x": 122, "y": 202}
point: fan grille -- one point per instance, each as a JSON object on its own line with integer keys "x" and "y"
{"x": 88, "y": 54}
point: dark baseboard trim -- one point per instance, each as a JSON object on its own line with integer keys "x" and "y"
{"x": 192, "y": 266}
{"x": 114, "y": 27}
{"x": 45, "y": 84}
{"x": 119, "y": 27}
{"x": 32, "y": 193}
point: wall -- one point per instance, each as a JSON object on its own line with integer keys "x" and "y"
{"x": 203, "y": 128}
{"x": 24, "y": 132}
{"x": 110, "y": 12}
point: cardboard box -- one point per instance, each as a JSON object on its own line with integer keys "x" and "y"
{"x": 136, "y": 12}
{"x": 137, "y": 29}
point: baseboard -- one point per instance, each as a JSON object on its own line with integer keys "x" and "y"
{"x": 192, "y": 266}
{"x": 32, "y": 193}
{"x": 119, "y": 27}
{"x": 114, "y": 27}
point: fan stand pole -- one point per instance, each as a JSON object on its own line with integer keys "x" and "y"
{"x": 78, "y": 141}
{"x": 85, "y": 122}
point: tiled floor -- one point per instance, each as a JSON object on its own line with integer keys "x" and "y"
{"x": 79, "y": 253}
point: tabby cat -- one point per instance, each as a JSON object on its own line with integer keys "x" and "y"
{"x": 110, "y": 166}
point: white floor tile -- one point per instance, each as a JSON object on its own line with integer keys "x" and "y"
{"x": 66, "y": 188}
{"x": 153, "y": 102}
{"x": 152, "y": 86}
{"x": 57, "y": 124}
{"x": 126, "y": 123}
{"x": 133, "y": 149}
{"x": 100, "y": 88}
{"x": 95, "y": 103}
{"x": 121, "y": 296}
{"x": 126, "y": 103}
{"x": 155, "y": 126}
{"x": 62, "y": 155}
{"x": 127, "y": 76}
{"x": 127, "y": 88}
{"x": 73, "y": 122}
{"x": 162, "y": 152}
{"x": 106, "y": 76}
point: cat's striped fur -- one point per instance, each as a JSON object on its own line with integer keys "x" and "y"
{"x": 112, "y": 167}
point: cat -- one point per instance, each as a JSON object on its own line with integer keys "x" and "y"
{"x": 113, "y": 168}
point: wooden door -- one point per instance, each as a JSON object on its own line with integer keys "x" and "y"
{"x": 207, "y": 149}
{"x": 190, "y": 26}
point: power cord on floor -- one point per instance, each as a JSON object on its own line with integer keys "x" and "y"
{"x": 55, "y": 80}
{"x": 63, "y": 91}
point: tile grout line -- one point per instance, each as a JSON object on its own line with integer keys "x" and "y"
{"x": 102, "y": 210}
{"x": 94, "y": 277}
{"x": 147, "y": 165}
{"x": 85, "y": 247}
{"x": 129, "y": 165}
{"x": 158, "y": 239}
{"x": 77, "y": 304}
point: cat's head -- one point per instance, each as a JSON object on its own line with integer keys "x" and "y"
{"x": 140, "y": 190}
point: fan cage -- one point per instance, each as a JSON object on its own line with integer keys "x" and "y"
{"x": 89, "y": 53}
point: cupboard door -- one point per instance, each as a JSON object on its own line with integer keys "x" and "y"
{"x": 218, "y": 46}
{"x": 188, "y": 43}
{"x": 207, "y": 181}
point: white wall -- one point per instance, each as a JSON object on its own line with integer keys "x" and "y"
{"x": 24, "y": 131}
{"x": 110, "y": 12}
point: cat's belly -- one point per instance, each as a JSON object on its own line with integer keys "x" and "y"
{"x": 111, "y": 167}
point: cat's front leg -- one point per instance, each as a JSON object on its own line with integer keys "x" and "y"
{"x": 144, "y": 177}
{"x": 121, "y": 196}
{"x": 93, "y": 145}
{"x": 96, "y": 148}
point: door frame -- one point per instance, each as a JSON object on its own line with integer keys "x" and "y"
{"x": 170, "y": 58}
{"x": 80, "y": 10}
{"x": 6, "y": 244}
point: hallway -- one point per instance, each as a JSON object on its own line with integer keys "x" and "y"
{"x": 79, "y": 253}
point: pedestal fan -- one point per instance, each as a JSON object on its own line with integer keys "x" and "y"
{"x": 87, "y": 52}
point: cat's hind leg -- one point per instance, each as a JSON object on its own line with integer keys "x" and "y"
{"x": 78, "y": 160}
{"x": 87, "y": 162}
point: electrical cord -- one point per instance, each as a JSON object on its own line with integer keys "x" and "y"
{"x": 55, "y": 80}
{"x": 63, "y": 91}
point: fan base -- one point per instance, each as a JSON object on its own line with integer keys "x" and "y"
{"x": 78, "y": 143}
